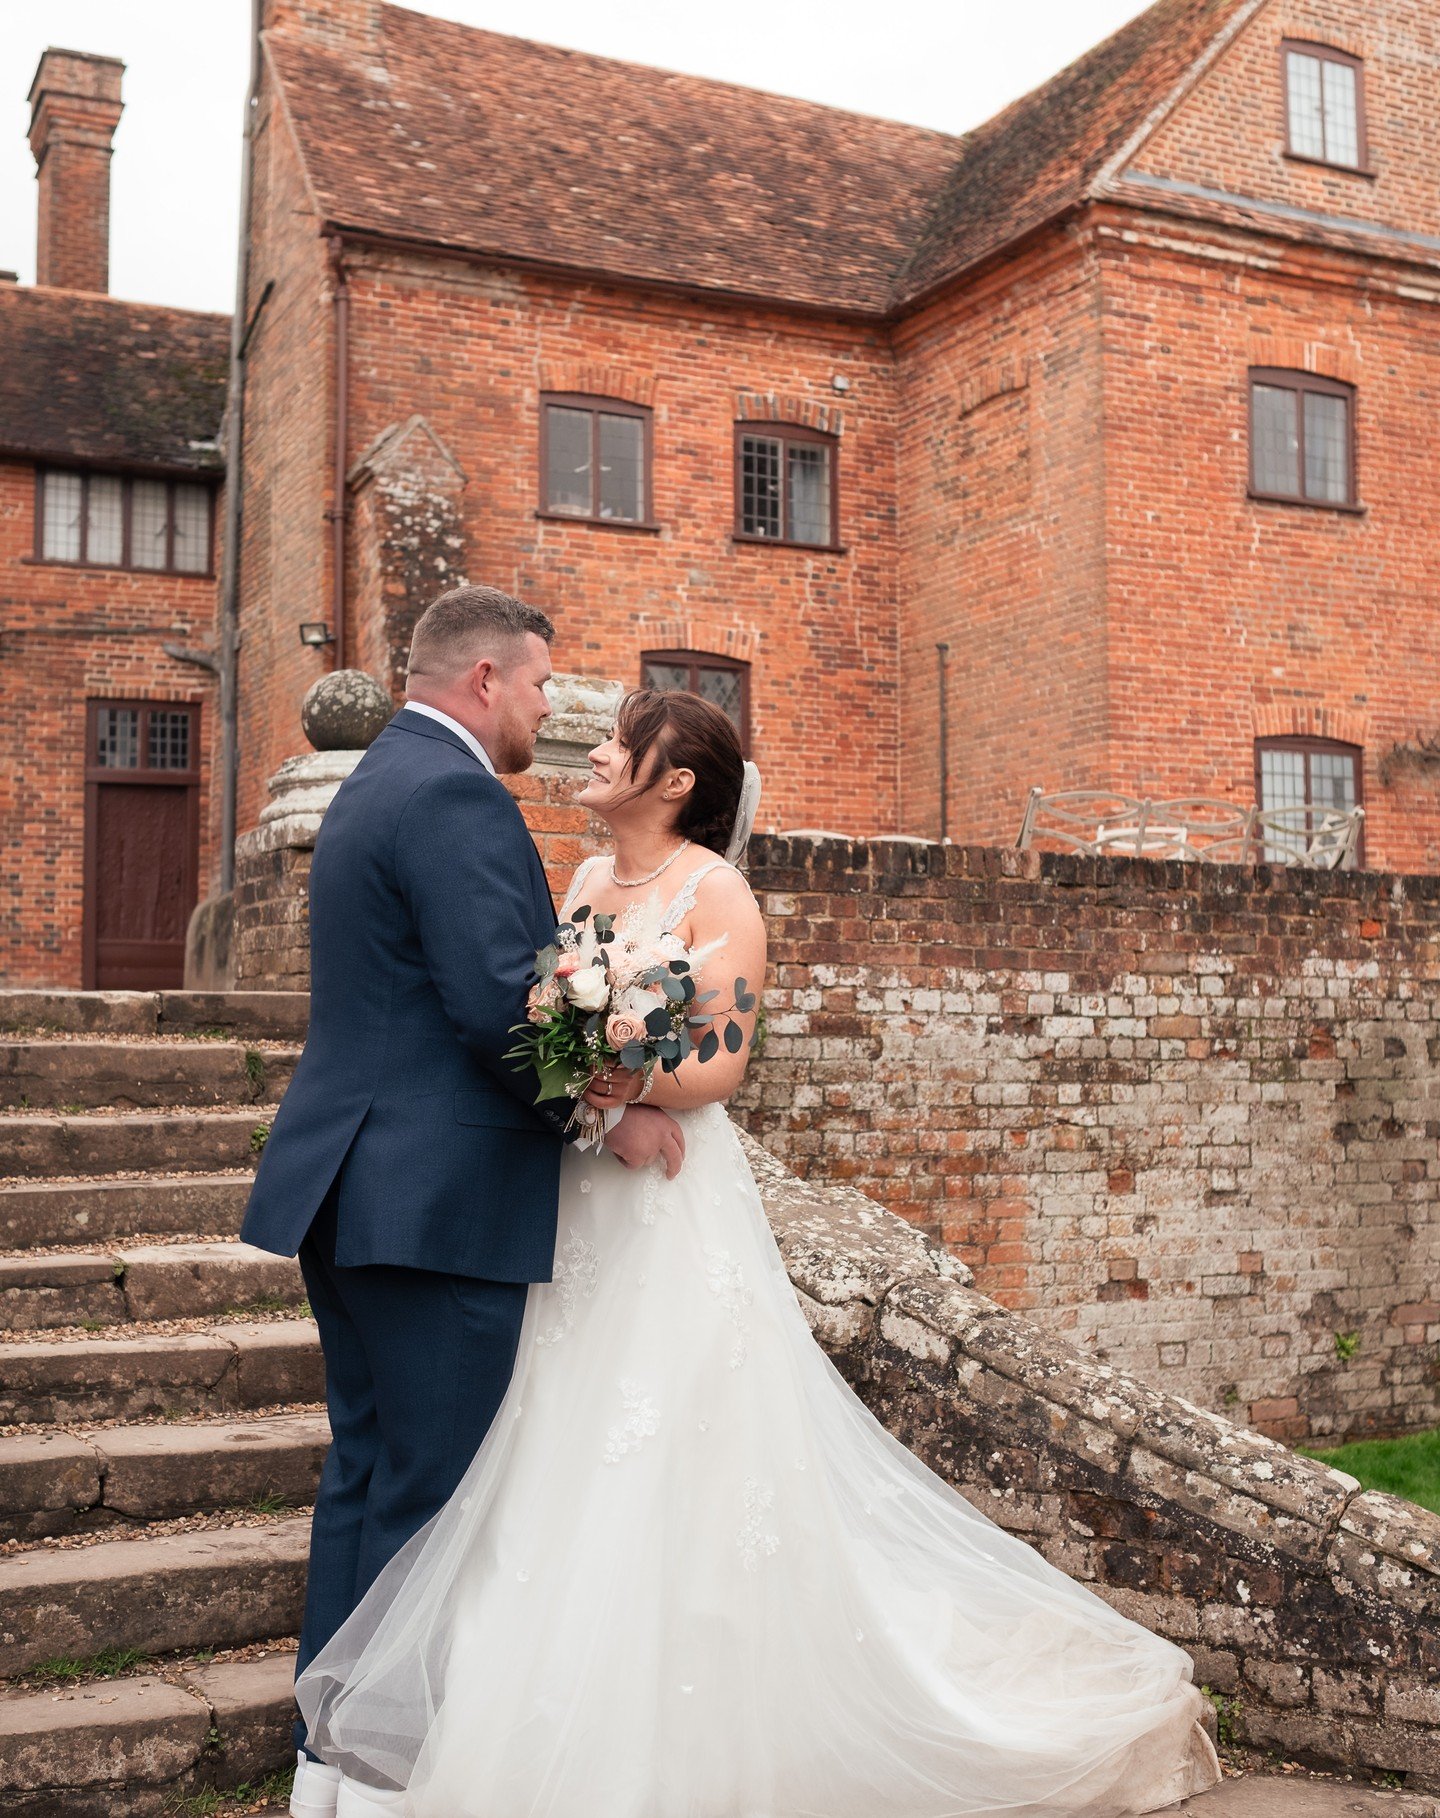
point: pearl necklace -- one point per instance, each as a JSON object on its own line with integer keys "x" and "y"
{"x": 634, "y": 883}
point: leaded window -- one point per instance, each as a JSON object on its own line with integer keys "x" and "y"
{"x": 785, "y": 485}
{"x": 595, "y": 459}
{"x": 1304, "y": 774}
{"x": 107, "y": 520}
{"x": 724, "y": 681}
{"x": 1324, "y": 105}
{"x": 1302, "y": 438}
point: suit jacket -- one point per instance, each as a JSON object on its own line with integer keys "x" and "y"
{"x": 427, "y": 905}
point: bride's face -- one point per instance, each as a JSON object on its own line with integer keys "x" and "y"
{"x": 611, "y": 788}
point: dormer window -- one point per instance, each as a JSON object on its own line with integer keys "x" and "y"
{"x": 1325, "y": 105}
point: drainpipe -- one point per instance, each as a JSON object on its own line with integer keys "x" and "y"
{"x": 227, "y": 654}
{"x": 337, "y": 514}
{"x": 942, "y": 652}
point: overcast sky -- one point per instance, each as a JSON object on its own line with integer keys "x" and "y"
{"x": 175, "y": 175}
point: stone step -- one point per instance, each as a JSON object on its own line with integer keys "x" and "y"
{"x": 265, "y": 1015}
{"x": 35, "y": 1146}
{"x": 214, "y": 1587}
{"x": 161, "y": 1375}
{"x": 140, "y": 1745}
{"x": 45, "y": 1213}
{"x": 142, "y": 1282}
{"x": 60, "y": 1483}
{"x": 140, "y": 1075}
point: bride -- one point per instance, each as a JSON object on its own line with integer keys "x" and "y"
{"x": 688, "y": 1575}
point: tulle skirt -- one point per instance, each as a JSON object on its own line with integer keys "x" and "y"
{"x": 689, "y": 1575}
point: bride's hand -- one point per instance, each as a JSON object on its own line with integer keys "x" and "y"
{"x": 610, "y": 1090}
{"x": 642, "y": 1134}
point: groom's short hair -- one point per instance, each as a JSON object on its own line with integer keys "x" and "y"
{"x": 468, "y": 623}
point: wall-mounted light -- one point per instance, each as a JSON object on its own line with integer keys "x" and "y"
{"x": 316, "y": 633}
{"x": 839, "y": 383}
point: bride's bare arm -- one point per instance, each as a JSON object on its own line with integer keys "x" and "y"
{"x": 724, "y": 906}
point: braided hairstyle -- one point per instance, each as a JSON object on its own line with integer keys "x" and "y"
{"x": 687, "y": 733}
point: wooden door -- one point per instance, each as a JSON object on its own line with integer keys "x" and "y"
{"x": 142, "y": 788}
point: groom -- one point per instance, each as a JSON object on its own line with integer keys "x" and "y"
{"x": 408, "y": 1165}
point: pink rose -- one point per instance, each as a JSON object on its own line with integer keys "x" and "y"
{"x": 622, "y": 1029}
{"x": 566, "y": 964}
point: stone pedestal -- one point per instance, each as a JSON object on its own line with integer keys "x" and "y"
{"x": 271, "y": 940}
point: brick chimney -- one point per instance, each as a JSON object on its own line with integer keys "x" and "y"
{"x": 74, "y": 110}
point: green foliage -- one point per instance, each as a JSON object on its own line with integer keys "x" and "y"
{"x": 1407, "y": 1467}
{"x": 1346, "y": 1345}
{"x": 250, "y": 1796}
{"x": 259, "y": 1136}
{"x": 67, "y": 1670}
{"x": 271, "y": 1503}
{"x": 255, "y": 1074}
{"x": 1227, "y": 1710}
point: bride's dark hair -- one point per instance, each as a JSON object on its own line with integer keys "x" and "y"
{"x": 687, "y": 733}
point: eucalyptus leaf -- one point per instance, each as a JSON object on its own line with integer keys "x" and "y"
{"x": 709, "y": 1045}
{"x": 582, "y": 914}
{"x": 734, "y": 1037}
{"x": 674, "y": 990}
{"x": 632, "y": 1055}
{"x": 679, "y": 966}
{"x": 658, "y": 1022}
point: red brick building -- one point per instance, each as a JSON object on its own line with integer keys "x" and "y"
{"x": 1122, "y": 397}
{"x": 110, "y": 414}
{"x": 1119, "y": 396}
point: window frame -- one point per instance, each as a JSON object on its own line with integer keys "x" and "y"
{"x": 127, "y": 483}
{"x": 785, "y": 434}
{"x": 1327, "y": 53}
{"x": 1294, "y": 380}
{"x": 597, "y": 407}
{"x": 696, "y": 660}
{"x": 1312, "y": 746}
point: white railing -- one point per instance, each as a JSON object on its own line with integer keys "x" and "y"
{"x": 1096, "y": 821}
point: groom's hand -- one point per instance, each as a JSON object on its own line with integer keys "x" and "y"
{"x": 642, "y": 1134}
{"x": 610, "y": 1090}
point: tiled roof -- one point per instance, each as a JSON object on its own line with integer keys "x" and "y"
{"x": 494, "y": 144}
{"x": 1043, "y": 153}
{"x": 445, "y": 135}
{"x": 89, "y": 378}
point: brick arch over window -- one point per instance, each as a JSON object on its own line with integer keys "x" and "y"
{"x": 598, "y": 379}
{"x": 773, "y": 407}
{"x": 1294, "y": 354}
{"x": 742, "y": 642}
{"x": 1340, "y": 725}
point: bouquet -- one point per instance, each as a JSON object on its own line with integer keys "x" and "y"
{"x": 624, "y": 995}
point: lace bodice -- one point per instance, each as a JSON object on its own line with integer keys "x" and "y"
{"x": 676, "y": 909}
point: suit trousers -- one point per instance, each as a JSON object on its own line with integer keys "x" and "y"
{"x": 416, "y": 1366}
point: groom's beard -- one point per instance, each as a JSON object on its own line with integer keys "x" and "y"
{"x": 514, "y": 749}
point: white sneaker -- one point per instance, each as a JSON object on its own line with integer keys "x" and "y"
{"x": 316, "y": 1789}
{"x": 360, "y": 1801}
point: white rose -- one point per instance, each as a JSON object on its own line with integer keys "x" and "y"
{"x": 589, "y": 988}
{"x": 639, "y": 1001}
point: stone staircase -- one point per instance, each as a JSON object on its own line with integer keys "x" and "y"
{"x": 161, "y": 1426}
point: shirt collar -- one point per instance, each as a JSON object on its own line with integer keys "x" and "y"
{"x": 443, "y": 719}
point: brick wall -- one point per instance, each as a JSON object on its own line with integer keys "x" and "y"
{"x": 1000, "y": 478}
{"x": 284, "y": 566}
{"x": 72, "y": 635}
{"x": 1184, "y": 1115}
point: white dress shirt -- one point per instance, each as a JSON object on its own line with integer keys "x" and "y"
{"x": 443, "y": 719}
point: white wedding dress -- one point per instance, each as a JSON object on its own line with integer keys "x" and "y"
{"x": 689, "y": 1575}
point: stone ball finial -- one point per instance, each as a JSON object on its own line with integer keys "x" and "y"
{"x": 346, "y": 710}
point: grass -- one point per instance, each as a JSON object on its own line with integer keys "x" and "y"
{"x": 251, "y": 1796}
{"x": 66, "y": 1670}
{"x": 1404, "y": 1467}
{"x": 269, "y": 1504}
{"x": 255, "y": 1073}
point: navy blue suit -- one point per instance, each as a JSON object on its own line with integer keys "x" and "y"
{"x": 408, "y": 1166}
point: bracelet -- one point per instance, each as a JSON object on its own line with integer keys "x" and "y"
{"x": 647, "y": 1088}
